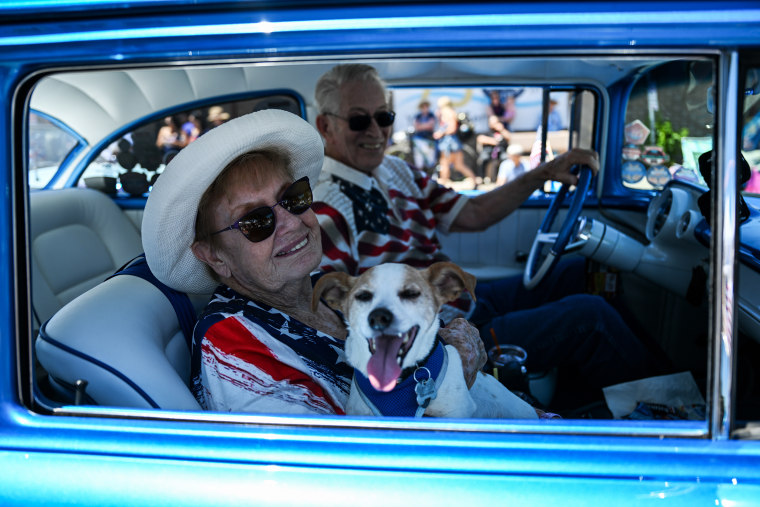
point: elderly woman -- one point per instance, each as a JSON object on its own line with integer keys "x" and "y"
{"x": 231, "y": 214}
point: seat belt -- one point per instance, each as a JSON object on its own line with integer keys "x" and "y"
{"x": 179, "y": 300}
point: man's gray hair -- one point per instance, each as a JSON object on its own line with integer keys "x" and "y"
{"x": 327, "y": 92}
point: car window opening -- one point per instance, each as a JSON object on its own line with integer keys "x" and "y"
{"x": 657, "y": 160}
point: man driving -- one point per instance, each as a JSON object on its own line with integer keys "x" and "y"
{"x": 374, "y": 208}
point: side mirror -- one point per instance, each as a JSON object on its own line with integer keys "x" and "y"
{"x": 705, "y": 168}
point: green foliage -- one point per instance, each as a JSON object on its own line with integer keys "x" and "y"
{"x": 669, "y": 139}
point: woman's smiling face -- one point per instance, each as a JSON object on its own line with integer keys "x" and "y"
{"x": 292, "y": 252}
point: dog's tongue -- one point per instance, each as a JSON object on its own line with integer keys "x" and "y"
{"x": 382, "y": 368}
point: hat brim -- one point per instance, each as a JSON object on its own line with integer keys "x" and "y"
{"x": 168, "y": 227}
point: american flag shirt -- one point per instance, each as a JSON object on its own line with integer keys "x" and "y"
{"x": 392, "y": 215}
{"x": 251, "y": 357}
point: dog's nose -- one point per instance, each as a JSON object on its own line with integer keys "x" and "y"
{"x": 380, "y": 319}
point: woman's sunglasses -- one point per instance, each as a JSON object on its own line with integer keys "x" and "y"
{"x": 361, "y": 122}
{"x": 259, "y": 224}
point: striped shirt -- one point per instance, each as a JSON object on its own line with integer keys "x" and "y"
{"x": 393, "y": 215}
{"x": 250, "y": 357}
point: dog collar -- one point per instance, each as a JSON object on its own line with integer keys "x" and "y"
{"x": 402, "y": 401}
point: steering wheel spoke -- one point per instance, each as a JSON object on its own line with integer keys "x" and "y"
{"x": 546, "y": 237}
{"x": 576, "y": 245}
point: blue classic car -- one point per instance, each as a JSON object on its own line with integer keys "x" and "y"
{"x": 95, "y": 407}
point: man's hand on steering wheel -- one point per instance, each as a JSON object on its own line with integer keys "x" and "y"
{"x": 559, "y": 169}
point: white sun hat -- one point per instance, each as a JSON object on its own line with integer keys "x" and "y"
{"x": 168, "y": 227}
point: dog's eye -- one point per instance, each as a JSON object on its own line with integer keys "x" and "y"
{"x": 409, "y": 294}
{"x": 363, "y": 296}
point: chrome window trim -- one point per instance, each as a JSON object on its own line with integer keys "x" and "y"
{"x": 724, "y": 251}
{"x": 608, "y": 427}
{"x": 581, "y": 427}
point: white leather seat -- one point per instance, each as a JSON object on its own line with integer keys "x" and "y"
{"x": 78, "y": 238}
{"x": 124, "y": 339}
{"x": 121, "y": 335}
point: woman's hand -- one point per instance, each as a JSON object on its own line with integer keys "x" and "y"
{"x": 466, "y": 339}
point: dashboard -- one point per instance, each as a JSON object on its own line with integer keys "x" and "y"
{"x": 678, "y": 231}
{"x": 672, "y": 257}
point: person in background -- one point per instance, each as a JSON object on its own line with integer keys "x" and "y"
{"x": 510, "y": 110}
{"x": 504, "y": 110}
{"x": 424, "y": 149}
{"x": 512, "y": 167}
{"x": 170, "y": 138}
{"x": 215, "y": 117}
{"x": 424, "y": 121}
{"x": 491, "y": 148}
{"x": 554, "y": 121}
{"x": 449, "y": 144}
{"x": 191, "y": 128}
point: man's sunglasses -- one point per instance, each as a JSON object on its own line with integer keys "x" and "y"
{"x": 259, "y": 224}
{"x": 361, "y": 122}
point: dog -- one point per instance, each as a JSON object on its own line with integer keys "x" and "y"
{"x": 392, "y": 315}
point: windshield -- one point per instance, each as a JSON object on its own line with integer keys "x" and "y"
{"x": 668, "y": 124}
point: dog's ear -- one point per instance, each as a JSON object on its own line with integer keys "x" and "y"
{"x": 333, "y": 288}
{"x": 449, "y": 280}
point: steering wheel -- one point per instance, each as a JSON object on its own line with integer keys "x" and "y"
{"x": 559, "y": 240}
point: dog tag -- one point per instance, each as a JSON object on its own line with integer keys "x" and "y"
{"x": 426, "y": 391}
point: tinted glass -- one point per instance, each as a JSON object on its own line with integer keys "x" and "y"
{"x": 49, "y": 145}
{"x": 668, "y": 124}
{"x": 489, "y": 120}
{"x": 130, "y": 164}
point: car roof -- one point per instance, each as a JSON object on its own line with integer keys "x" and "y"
{"x": 96, "y": 104}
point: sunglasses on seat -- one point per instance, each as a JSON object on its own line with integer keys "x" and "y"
{"x": 260, "y": 223}
{"x": 361, "y": 122}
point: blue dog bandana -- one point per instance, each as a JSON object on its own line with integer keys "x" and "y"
{"x": 402, "y": 401}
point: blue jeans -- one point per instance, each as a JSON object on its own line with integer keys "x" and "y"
{"x": 449, "y": 144}
{"x": 560, "y": 326}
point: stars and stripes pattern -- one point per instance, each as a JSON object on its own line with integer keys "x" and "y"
{"x": 393, "y": 215}
{"x": 370, "y": 207}
{"x": 250, "y": 357}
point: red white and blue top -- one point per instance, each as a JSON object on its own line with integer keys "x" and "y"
{"x": 392, "y": 215}
{"x": 250, "y": 357}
